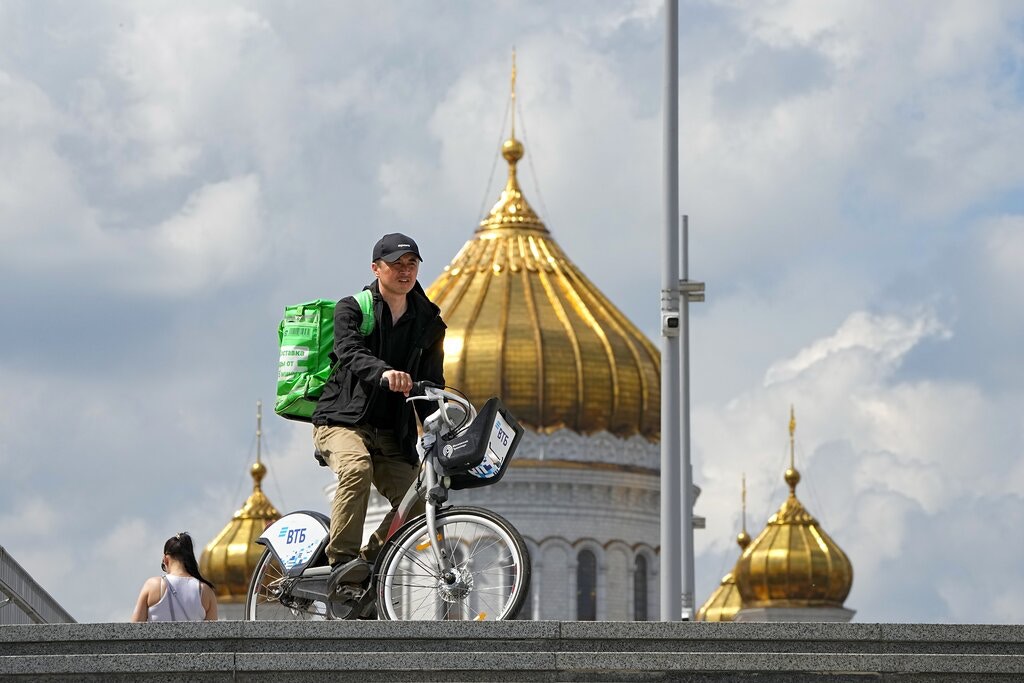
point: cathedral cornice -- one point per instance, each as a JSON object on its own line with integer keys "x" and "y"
{"x": 565, "y": 445}
{"x": 580, "y": 465}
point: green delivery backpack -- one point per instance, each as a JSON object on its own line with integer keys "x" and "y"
{"x": 306, "y": 336}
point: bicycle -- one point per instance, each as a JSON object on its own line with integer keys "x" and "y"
{"x": 450, "y": 563}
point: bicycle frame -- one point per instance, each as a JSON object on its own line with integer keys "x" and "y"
{"x": 434, "y": 426}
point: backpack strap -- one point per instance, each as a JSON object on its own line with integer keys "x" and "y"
{"x": 173, "y": 598}
{"x": 365, "y": 299}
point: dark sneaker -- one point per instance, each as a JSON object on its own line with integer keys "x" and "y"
{"x": 354, "y": 572}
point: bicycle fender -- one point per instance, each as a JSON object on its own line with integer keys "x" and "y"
{"x": 296, "y": 539}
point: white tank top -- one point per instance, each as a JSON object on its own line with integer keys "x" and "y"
{"x": 180, "y": 599}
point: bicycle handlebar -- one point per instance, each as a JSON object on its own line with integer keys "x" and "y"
{"x": 418, "y": 388}
{"x": 425, "y": 390}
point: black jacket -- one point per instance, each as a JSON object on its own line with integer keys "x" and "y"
{"x": 347, "y": 396}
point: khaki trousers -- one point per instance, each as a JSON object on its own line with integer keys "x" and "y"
{"x": 361, "y": 456}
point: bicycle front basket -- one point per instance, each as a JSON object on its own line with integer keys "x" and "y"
{"x": 480, "y": 456}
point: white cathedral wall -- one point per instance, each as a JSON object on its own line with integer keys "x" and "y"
{"x": 619, "y": 584}
{"x": 535, "y": 596}
{"x": 558, "y": 586}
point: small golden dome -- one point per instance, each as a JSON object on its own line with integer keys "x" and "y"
{"x": 793, "y": 562}
{"x": 230, "y": 558}
{"x": 725, "y": 601}
{"x": 526, "y": 325}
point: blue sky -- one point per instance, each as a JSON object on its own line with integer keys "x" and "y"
{"x": 172, "y": 174}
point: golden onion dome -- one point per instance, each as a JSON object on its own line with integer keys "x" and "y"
{"x": 793, "y": 562}
{"x": 230, "y": 558}
{"x": 524, "y": 324}
{"x": 725, "y": 601}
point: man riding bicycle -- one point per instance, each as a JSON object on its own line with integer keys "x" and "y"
{"x": 364, "y": 432}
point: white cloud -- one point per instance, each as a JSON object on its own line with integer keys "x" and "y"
{"x": 218, "y": 237}
{"x": 1003, "y": 245}
{"x": 124, "y": 553}
{"x": 405, "y": 187}
{"x": 921, "y": 481}
{"x": 882, "y": 528}
{"x": 182, "y": 68}
{"x": 34, "y": 516}
{"x": 28, "y": 518}
{"x": 43, "y": 216}
{"x": 25, "y": 109}
{"x": 886, "y": 338}
{"x": 977, "y": 532}
{"x": 353, "y": 92}
{"x": 886, "y": 142}
{"x": 620, "y": 13}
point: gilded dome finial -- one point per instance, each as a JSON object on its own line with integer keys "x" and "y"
{"x": 792, "y": 432}
{"x": 513, "y": 135}
{"x": 725, "y": 601}
{"x": 512, "y": 149}
{"x": 512, "y": 210}
{"x": 743, "y": 538}
{"x": 228, "y": 560}
{"x": 792, "y": 476}
{"x": 258, "y": 469}
{"x": 259, "y": 429}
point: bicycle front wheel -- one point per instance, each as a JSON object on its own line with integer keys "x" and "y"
{"x": 489, "y": 579}
{"x": 268, "y": 599}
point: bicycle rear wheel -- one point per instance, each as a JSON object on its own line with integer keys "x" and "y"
{"x": 267, "y": 601}
{"x": 491, "y": 576}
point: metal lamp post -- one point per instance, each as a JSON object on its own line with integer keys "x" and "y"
{"x": 677, "y": 584}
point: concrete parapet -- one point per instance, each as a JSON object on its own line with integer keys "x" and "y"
{"x": 517, "y": 650}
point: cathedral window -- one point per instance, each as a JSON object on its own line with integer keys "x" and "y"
{"x": 586, "y": 586}
{"x": 640, "y": 589}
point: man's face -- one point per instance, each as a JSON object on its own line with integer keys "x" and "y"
{"x": 397, "y": 277}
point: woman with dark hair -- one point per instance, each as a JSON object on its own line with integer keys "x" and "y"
{"x": 181, "y": 594}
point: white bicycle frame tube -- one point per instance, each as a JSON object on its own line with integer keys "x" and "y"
{"x": 438, "y": 395}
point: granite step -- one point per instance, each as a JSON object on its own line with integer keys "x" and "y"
{"x": 512, "y": 651}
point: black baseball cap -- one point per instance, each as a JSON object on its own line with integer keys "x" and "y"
{"x": 393, "y": 246}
